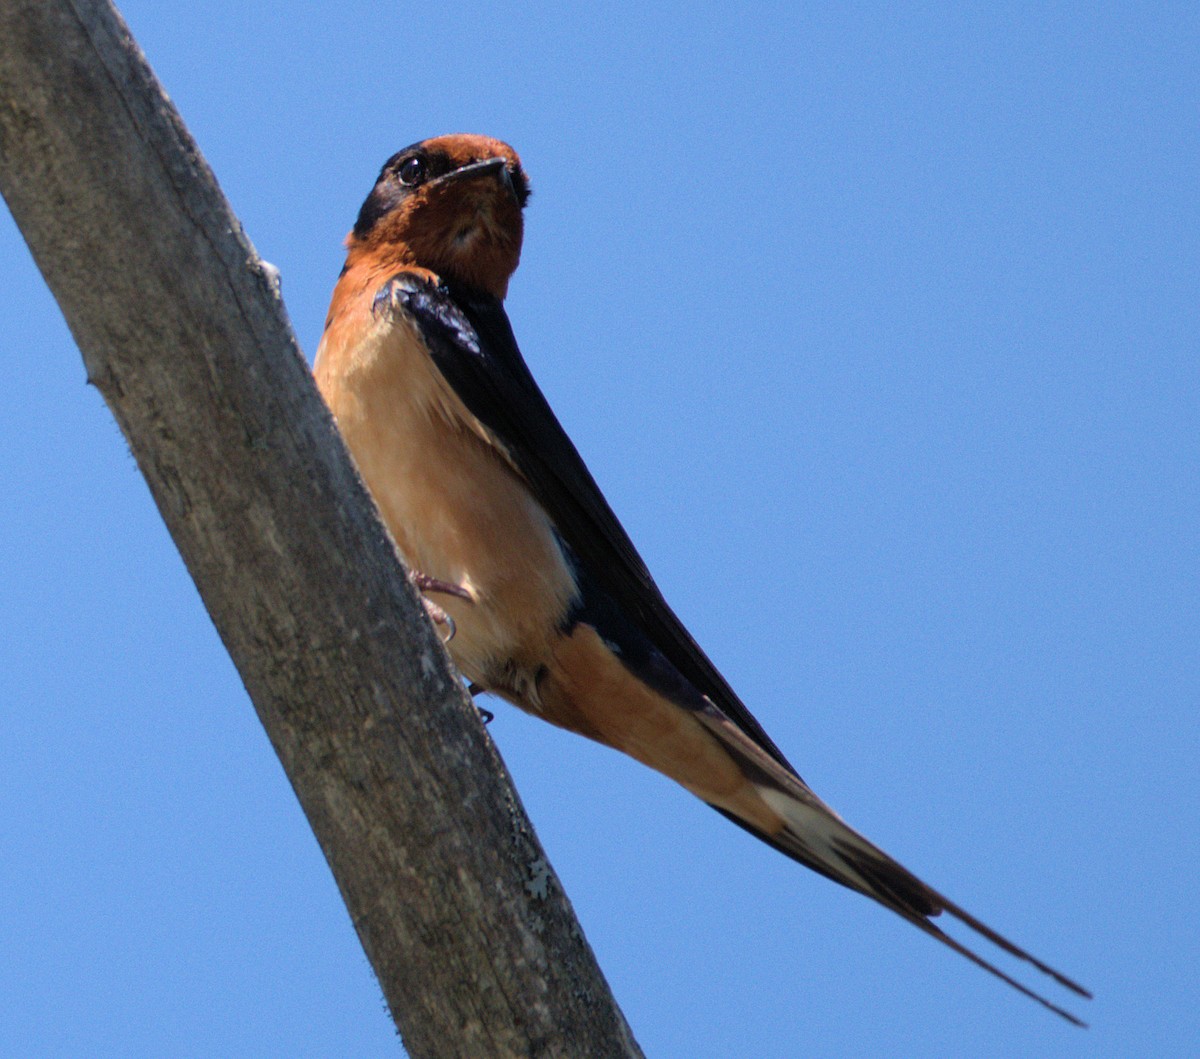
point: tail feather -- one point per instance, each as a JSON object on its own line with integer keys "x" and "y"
{"x": 818, "y": 838}
{"x": 922, "y": 923}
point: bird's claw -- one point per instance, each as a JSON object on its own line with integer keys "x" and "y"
{"x": 440, "y": 617}
{"x": 437, "y": 614}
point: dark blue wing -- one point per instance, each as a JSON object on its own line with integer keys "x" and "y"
{"x": 472, "y": 344}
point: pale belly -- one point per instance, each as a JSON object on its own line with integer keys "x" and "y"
{"x": 458, "y": 512}
{"x": 455, "y": 508}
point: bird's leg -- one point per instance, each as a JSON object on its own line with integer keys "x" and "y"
{"x": 433, "y": 584}
{"x": 425, "y": 583}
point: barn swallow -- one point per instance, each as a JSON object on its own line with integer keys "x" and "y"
{"x": 550, "y": 604}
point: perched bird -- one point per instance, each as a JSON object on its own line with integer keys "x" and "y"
{"x": 550, "y": 605}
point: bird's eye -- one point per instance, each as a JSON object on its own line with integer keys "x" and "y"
{"x": 412, "y": 172}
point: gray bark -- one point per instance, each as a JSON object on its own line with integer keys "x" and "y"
{"x": 184, "y": 334}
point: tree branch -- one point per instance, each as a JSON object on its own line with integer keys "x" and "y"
{"x": 184, "y": 334}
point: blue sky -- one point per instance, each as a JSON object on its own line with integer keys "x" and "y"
{"x": 879, "y": 328}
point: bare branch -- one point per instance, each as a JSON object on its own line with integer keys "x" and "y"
{"x": 184, "y": 334}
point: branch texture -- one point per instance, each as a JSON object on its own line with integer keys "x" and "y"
{"x": 184, "y": 334}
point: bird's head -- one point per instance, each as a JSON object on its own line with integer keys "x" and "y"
{"x": 452, "y": 205}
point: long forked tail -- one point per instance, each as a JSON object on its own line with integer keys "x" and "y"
{"x": 818, "y": 838}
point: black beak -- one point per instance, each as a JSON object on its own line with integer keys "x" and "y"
{"x": 488, "y": 167}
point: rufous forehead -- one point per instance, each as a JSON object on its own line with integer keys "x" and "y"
{"x": 462, "y": 148}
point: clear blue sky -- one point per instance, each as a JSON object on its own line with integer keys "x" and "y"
{"x": 880, "y": 331}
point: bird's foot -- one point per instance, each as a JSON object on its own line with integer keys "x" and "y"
{"x": 425, "y": 583}
{"x": 474, "y": 689}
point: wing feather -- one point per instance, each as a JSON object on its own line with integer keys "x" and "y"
{"x": 472, "y": 343}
